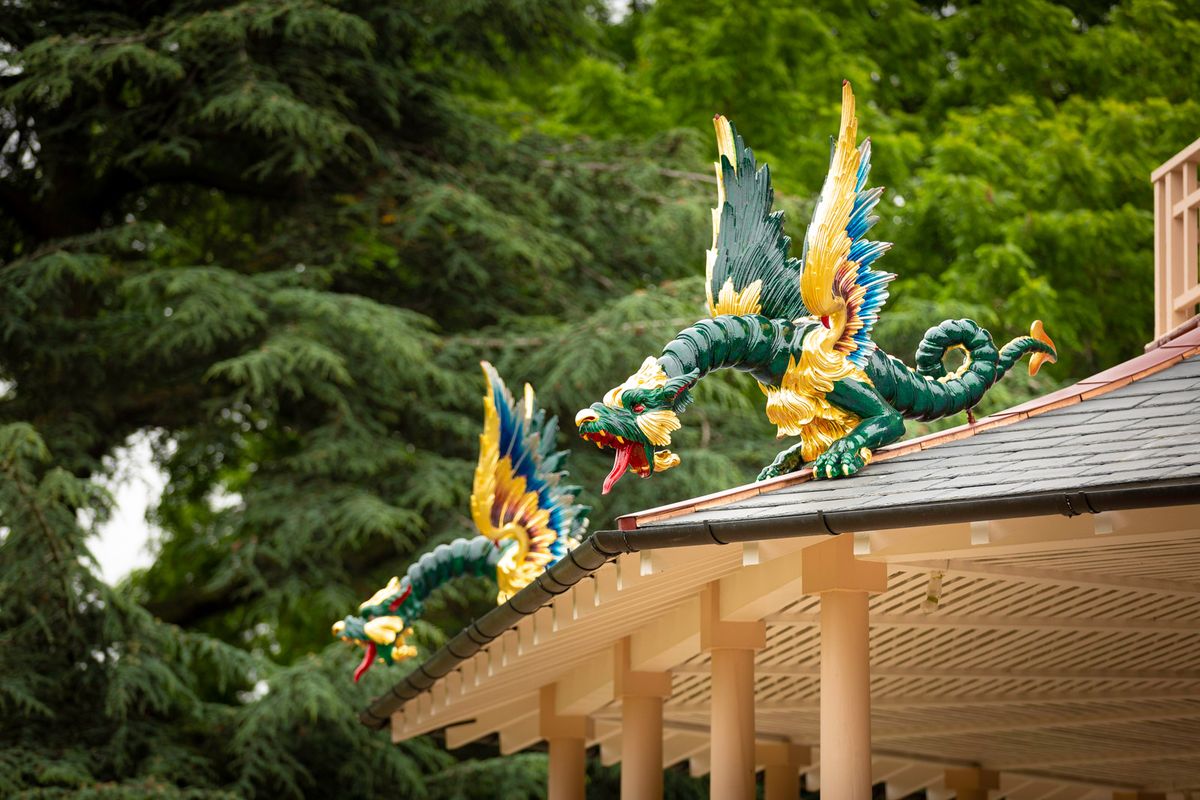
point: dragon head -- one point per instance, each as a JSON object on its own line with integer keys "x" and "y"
{"x": 636, "y": 419}
{"x": 378, "y": 628}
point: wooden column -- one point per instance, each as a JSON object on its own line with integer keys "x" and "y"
{"x": 731, "y": 646}
{"x": 641, "y": 695}
{"x": 845, "y": 585}
{"x": 782, "y": 762}
{"x": 567, "y": 759}
{"x": 567, "y": 737}
{"x": 732, "y": 722}
{"x": 972, "y": 783}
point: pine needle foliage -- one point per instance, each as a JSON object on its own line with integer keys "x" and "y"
{"x": 277, "y": 237}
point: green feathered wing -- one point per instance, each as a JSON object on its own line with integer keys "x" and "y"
{"x": 748, "y": 269}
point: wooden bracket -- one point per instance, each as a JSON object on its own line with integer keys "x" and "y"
{"x": 717, "y": 633}
{"x": 628, "y": 682}
{"x": 782, "y": 754}
{"x": 830, "y": 566}
{"x": 553, "y": 726}
{"x": 972, "y": 779}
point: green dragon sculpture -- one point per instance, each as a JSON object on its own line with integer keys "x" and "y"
{"x": 525, "y": 513}
{"x": 802, "y": 329}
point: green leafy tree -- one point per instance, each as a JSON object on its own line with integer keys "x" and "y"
{"x": 277, "y": 237}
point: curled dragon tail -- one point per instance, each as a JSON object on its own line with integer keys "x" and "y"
{"x": 929, "y": 392}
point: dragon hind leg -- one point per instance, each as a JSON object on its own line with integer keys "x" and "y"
{"x": 880, "y": 424}
{"x": 787, "y": 461}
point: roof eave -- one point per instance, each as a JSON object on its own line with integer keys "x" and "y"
{"x": 605, "y": 545}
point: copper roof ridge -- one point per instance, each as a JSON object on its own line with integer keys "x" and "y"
{"x": 1151, "y": 362}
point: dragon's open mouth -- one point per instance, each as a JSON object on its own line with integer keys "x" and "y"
{"x": 627, "y": 456}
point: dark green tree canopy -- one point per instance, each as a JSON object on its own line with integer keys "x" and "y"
{"x": 277, "y": 237}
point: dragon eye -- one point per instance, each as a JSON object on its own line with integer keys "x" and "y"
{"x": 638, "y": 408}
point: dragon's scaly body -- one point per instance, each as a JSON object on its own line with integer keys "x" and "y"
{"x": 802, "y": 328}
{"x": 525, "y": 513}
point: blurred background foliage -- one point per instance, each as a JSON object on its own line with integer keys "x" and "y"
{"x": 278, "y": 235}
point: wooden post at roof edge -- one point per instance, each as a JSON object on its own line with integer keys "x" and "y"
{"x": 845, "y": 585}
{"x": 567, "y": 738}
{"x": 731, "y": 646}
{"x": 642, "y": 695}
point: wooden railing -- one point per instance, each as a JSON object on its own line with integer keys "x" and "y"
{"x": 1176, "y": 209}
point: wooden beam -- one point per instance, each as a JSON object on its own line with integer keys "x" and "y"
{"x": 1056, "y": 721}
{"x": 753, "y": 591}
{"x": 490, "y": 721}
{"x": 1051, "y": 577}
{"x": 1102, "y": 758}
{"x": 680, "y": 746}
{"x": 611, "y": 749}
{"x": 1190, "y": 627}
{"x": 588, "y": 686}
{"x": 1010, "y": 784}
{"x": 1031, "y": 534}
{"x": 1037, "y": 789}
{"x": 1071, "y": 793}
{"x": 604, "y": 731}
{"x": 959, "y": 701}
{"x": 884, "y": 770}
{"x": 520, "y": 733}
{"x": 1045, "y": 673}
{"x": 668, "y": 639}
{"x": 917, "y": 777}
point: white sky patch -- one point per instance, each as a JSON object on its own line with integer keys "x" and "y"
{"x": 220, "y": 499}
{"x": 617, "y": 10}
{"x": 124, "y": 542}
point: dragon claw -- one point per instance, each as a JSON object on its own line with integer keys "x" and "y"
{"x": 768, "y": 472}
{"x": 842, "y": 459}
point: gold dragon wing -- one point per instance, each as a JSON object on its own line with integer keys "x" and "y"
{"x": 519, "y": 499}
{"x": 837, "y": 283}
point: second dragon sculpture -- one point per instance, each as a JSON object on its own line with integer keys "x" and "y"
{"x": 802, "y": 329}
{"x": 526, "y": 516}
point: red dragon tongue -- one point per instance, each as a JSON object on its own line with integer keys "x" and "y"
{"x": 621, "y": 458}
{"x": 368, "y": 660}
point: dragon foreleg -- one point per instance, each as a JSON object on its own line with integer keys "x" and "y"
{"x": 788, "y": 460}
